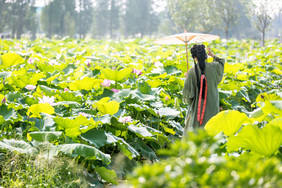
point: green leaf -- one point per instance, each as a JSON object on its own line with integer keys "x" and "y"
{"x": 45, "y": 136}
{"x": 265, "y": 141}
{"x": 69, "y": 96}
{"x": 106, "y": 107}
{"x": 82, "y": 150}
{"x": 18, "y": 146}
{"x": 168, "y": 112}
{"x": 86, "y": 83}
{"x": 108, "y": 175}
{"x": 7, "y": 113}
{"x": 116, "y": 75}
{"x": 10, "y": 59}
{"x": 228, "y": 121}
{"x": 97, "y": 137}
{"x": 145, "y": 150}
{"x": 141, "y": 131}
{"x": 144, "y": 88}
{"x": 36, "y": 109}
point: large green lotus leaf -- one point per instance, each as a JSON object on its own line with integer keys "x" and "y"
{"x": 45, "y": 136}
{"x": 35, "y": 77}
{"x": 168, "y": 112}
{"x": 228, "y": 121}
{"x": 82, "y": 150}
{"x": 47, "y": 90}
{"x": 106, "y": 174}
{"x": 35, "y": 109}
{"x": 144, "y": 88}
{"x": 145, "y": 150}
{"x": 267, "y": 97}
{"x": 141, "y": 131}
{"x": 86, "y": 83}
{"x": 116, "y": 75}
{"x": 18, "y": 146}
{"x": 97, "y": 137}
{"x": 274, "y": 107}
{"x": 72, "y": 126}
{"x": 10, "y": 59}
{"x": 69, "y": 96}
{"x": 107, "y": 107}
{"x": 265, "y": 141}
{"x": 7, "y": 114}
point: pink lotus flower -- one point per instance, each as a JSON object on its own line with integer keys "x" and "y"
{"x": 46, "y": 99}
{"x": 53, "y": 62}
{"x": 106, "y": 83}
{"x": 113, "y": 68}
{"x": 115, "y": 90}
{"x": 88, "y": 62}
{"x": 125, "y": 119}
{"x": 30, "y": 87}
{"x": 166, "y": 98}
{"x": 137, "y": 72}
{"x": 30, "y": 61}
{"x": 83, "y": 114}
{"x": 66, "y": 89}
{"x": 3, "y": 100}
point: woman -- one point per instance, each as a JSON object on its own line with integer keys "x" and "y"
{"x": 200, "y": 88}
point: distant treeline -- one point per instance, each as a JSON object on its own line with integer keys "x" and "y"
{"x": 138, "y": 18}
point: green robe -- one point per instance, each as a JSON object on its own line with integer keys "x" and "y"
{"x": 213, "y": 73}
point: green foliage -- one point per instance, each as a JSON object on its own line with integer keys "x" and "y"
{"x": 199, "y": 162}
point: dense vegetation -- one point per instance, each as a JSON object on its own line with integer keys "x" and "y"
{"x": 112, "y": 104}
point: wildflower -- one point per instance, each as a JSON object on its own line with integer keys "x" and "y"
{"x": 158, "y": 64}
{"x": 66, "y": 89}
{"x": 115, "y": 90}
{"x": 82, "y": 114}
{"x": 137, "y": 72}
{"x": 53, "y": 62}
{"x": 3, "y": 100}
{"x": 106, "y": 83}
{"x": 30, "y": 87}
{"x": 87, "y": 62}
{"x": 46, "y": 99}
{"x": 125, "y": 119}
{"x": 30, "y": 61}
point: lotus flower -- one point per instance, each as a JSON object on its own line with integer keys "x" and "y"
{"x": 125, "y": 119}
{"x": 46, "y": 99}
{"x": 30, "y": 61}
{"x": 66, "y": 89}
{"x": 83, "y": 114}
{"x": 3, "y": 100}
{"x": 30, "y": 87}
{"x": 53, "y": 62}
{"x": 166, "y": 98}
{"x": 88, "y": 62}
{"x": 115, "y": 90}
{"x": 106, "y": 83}
{"x": 137, "y": 72}
{"x": 158, "y": 64}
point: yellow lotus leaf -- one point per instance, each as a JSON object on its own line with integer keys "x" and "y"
{"x": 106, "y": 107}
{"x": 267, "y": 97}
{"x": 242, "y": 77}
{"x": 116, "y": 75}
{"x": 277, "y": 71}
{"x": 36, "y": 109}
{"x": 10, "y": 59}
{"x": 228, "y": 121}
{"x": 86, "y": 83}
{"x": 232, "y": 68}
{"x": 155, "y": 83}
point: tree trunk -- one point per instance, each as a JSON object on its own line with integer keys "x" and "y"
{"x": 263, "y": 36}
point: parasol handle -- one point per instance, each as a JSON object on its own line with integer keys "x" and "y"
{"x": 186, "y": 44}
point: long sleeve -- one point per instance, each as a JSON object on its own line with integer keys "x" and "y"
{"x": 218, "y": 64}
{"x": 189, "y": 88}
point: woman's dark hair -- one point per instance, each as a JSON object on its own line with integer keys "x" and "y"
{"x": 199, "y": 52}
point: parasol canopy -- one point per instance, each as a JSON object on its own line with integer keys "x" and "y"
{"x": 186, "y": 38}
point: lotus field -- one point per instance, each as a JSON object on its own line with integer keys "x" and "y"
{"x": 114, "y": 110}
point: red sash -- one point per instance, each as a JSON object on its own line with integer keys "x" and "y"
{"x": 201, "y": 116}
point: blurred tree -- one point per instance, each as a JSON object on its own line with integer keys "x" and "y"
{"x": 227, "y": 12}
{"x": 262, "y": 12}
{"x": 3, "y": 15}
{"x": 139, "y": 18}
{"x": 101, "y": 18}
{"x": 58, "y": 17}
{"x": 20, "y": 15}
{"x": 84, "y": 17}
{"x": 190, "y": 14}
{"x": 114, "y": 17}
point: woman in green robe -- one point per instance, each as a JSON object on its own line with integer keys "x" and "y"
{"x": 210, "y": 74}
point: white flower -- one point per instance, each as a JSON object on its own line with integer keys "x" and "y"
{"x": 106, "y": 83}
{"x": 158, "y": 64}
{"x": 83, "y": 114}
{"x": 53, "y": 62}
{"x": 125, "y": 119}
{"x": 47, "y": 99}
{"x": 30, "y": 61}
{"x": 30, "y": 87}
